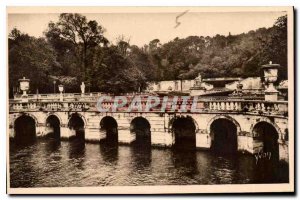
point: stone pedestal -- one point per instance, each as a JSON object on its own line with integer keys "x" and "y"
{"x": 245, "y": 144}
{"x": 125, "y": 136}
{"x": 283, "y": 151}
{"x": 102, "y": 134}
{"x": 92, "y": 134}
{"x": 12, "y": 133}
{"x": 203, "y": 141}
{"x": 161, "y": 138}
{"x": 67, "y": 133}
{"x": 41, "y": 131}
{"x": 271, "y": 96}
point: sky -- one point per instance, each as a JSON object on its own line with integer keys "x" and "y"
{"x": 141, "y": 28}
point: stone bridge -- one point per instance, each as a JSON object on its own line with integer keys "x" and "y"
{"x": 247, "y": 126}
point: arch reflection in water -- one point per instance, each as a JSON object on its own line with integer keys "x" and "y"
{"x": 141, "y": 128}
{"x": 184, "y": 130}
{"x": 223, "y": 133}
{"x": 76, "y": 124}
{"x": 77, "y": 153}
{"x": 130, "y": 166}
{"x": 53, "y": 126}
{"x": 185, "y": 161}
{"x": 110, "y": 126}
{"x": 266, "y": 143}
{"x": 266, "y": 139}
{"x": 25, "y": 130}
{"x": 142, "y": 156}
{"x": 109, "y": 152}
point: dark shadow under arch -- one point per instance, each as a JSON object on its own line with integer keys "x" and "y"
{"x": 142, "y": 130}
{"x": 25, "y": 130}
{"x": 110, "y": 126}
{"x": 184, "y": 130}
{"x": 265, "y": 138}
{"x": 223, "y": 133}
{"x": 266, "y": 146}
{"x": 53, "y": 123}
{"x": 76, "y": 123}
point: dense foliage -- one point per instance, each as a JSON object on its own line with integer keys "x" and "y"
{"x": 75, "y": 50}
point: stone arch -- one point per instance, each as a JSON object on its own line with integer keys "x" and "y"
{"x": 267, "y": 120}
{"x": 265, "y": 137}
{"x": 80, "y": 115}
{"x": 110, "y": 125}
{"x": 25, "y": 129}
{"x": 184, "y": 129}
{"x": 223, "y": 131}
{"x": 178, "y": 116}
{"x": 27, "y": 114}
{"x": 53, "y": 126}
{"x": 223, "y": 117}
{"x": 56, "y": 115}
{"x": 77, "y": 125}
{"x": 141, "y": 127}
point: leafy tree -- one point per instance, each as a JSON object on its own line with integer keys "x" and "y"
{"x": 75, "y": 50}
{"x": 117, "y": 74}
{"x": 32, "y": 58}
{"x": 74, "y": 32}
{"x": 274, "y": 46}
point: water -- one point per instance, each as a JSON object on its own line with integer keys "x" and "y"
{"x": 47, "y": 163}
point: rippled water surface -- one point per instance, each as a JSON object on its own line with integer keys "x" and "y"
{"x": 47, "y": 163}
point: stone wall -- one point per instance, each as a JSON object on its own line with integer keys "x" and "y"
{"x": 161, "y": 127}
{"x": 251, "y": 83}
{"x": 167, "y": 86}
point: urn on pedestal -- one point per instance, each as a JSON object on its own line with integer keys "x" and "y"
{"x": 271, "y": 75}
{"x": 24, "y": 87}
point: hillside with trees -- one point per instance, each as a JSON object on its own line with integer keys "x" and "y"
{"x": 74, "y": 49}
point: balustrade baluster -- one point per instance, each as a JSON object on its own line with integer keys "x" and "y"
{"x": 263, "y": 107}
{"x": 239, "y": 106}
{"x": 251, "y": 107}
{"x": 276, "y": 108}
{"x": 231, "y": 105}
{"x": 259, "y": 106}
{"x": 218, "y": 106}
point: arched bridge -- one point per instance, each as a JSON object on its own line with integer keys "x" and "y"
{"x": 222, "y": 125}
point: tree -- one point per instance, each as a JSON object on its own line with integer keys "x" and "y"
{"x": 115, "y": 73}
{"x": 274, "y": 47}
{"x": 123, "y": 45}
{"x": 75, "y": 32}
{"x": 32, "y": 58}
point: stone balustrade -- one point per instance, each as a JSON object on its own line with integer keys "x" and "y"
{"x": 69, "y": 96}
{"x": 252, "y": 106}
{"x": 203, "y": 105}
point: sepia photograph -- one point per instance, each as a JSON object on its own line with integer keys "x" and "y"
{"x": 150, "y": 100}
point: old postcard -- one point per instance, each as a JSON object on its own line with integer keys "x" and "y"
{"x": 147, "y": 100}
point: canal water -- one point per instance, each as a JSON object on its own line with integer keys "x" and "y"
{"x": 48, "y": 163}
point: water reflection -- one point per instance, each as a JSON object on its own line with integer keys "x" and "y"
{"x": 109, "y": 151}
{"x": 74, "y": 163}
{"x": 185, "y": 162}
{"x": 51, "y": 145}
{"x": 142, "y": 156}
{"x": 77, "y": 153}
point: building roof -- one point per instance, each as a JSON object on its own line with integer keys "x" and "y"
{"x": 217, "y": 91}
{"x": 229, "y": 79}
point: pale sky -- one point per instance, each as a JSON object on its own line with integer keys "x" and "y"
{"x": 144, "y": 27}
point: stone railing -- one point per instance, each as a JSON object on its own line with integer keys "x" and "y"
{"x": 56, "y": 97}
{"x": 203, "y": 105}
{"x": 51, "y": 106}
{"x": 93, "y": 96}
{"x": 250, "y": 106}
